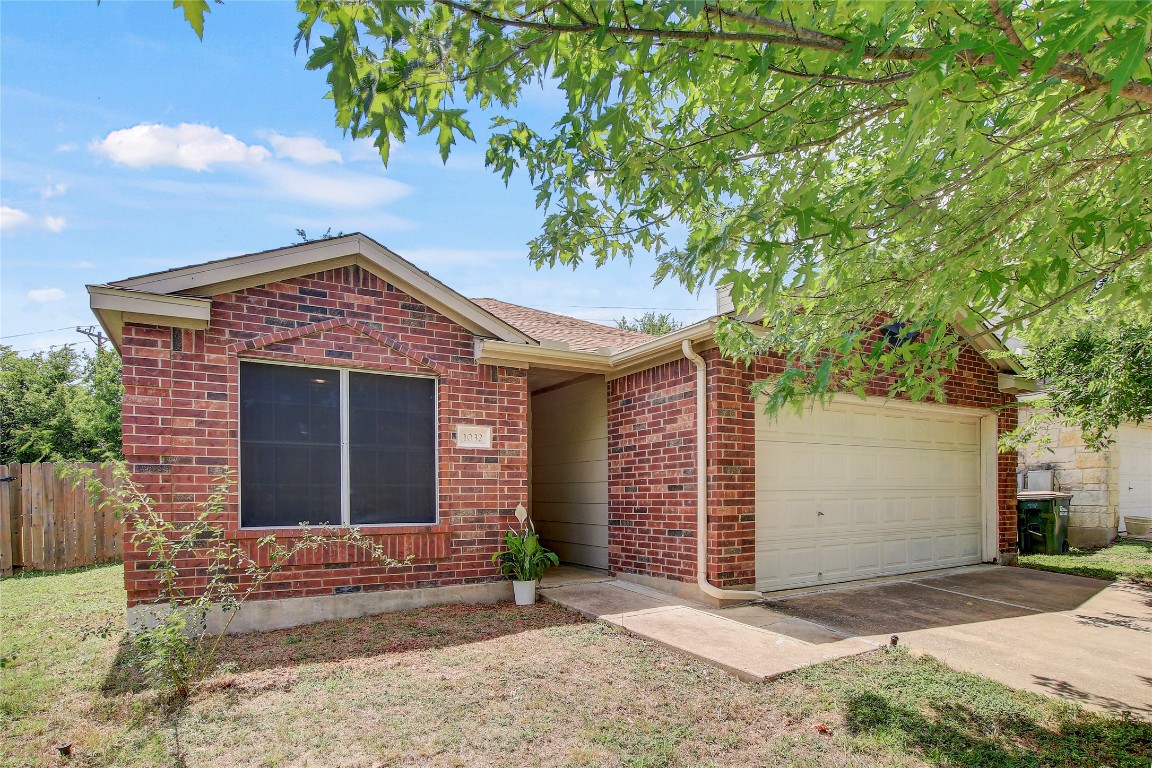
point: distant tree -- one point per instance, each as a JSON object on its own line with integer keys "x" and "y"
{"x": 303, "y": 235}
{"x": 59, "y": 404}
{"x": 98, "y": 411}
{"x": 1097, "y": 377}
{"x": 650, "y": 323}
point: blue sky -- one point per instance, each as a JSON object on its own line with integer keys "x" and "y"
{"x": 128, "y": 146}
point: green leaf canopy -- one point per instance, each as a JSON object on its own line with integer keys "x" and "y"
{"x": 836, "y": 165}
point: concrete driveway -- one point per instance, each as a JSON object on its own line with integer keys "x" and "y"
{"x": 1075, "y": 638}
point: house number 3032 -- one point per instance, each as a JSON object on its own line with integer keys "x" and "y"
{"x": 473, "y": 436}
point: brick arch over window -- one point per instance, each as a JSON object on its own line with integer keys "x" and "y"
{"x": 280, "y": 341}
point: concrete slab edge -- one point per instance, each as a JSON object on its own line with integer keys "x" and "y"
{"x": 264, "y": 615}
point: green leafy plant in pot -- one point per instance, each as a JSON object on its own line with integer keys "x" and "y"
{"x": 524, "y": 560}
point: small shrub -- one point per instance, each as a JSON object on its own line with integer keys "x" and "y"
{"x": 174, "y": 647}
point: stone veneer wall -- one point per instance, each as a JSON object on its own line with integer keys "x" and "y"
{"x": 1090, "y": 476}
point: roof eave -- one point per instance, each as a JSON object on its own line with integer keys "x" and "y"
{"x": 254, "y": 269}
{"x": 114, "y": 306}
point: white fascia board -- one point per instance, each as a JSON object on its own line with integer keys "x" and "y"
{"x": 701, "y": 331}
{"x": 662, "y": 349}
{"x": 495, "y": 352}
{"x": 1016, "y": 385}
{"x": 987, "y": 342}
{"x": 255, "y": 269}
{"x": 115, "y": 306}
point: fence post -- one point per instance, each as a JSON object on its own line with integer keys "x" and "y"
{"x": 10, "y": 520}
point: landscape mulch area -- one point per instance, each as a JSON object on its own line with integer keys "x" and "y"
{"x": 498, "y": 685}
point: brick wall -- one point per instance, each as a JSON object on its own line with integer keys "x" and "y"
{"x": 651, "y": 472}
{"x": 652, "y": 438}
{"x": 181, "y": 406}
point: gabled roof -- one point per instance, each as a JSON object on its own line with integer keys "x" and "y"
{"x": 147, "y": 298}
{"x": 579, "y": 335}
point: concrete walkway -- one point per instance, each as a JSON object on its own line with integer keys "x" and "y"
{"x": 1070, "y": 637}
{"x": 1074, "y": 638}
{"x": 737, "y": 640}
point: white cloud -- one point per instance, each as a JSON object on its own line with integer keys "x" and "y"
{"x": 333, "y": 188}
{"x": 69, "y": 147}
{"x": 304, "y": 149}
{"x": 81, "y": 265}
{"x": 192, "y": 146}
{"x": 11, "y": 218}
{"x": 45, "y": 295}
{"x": 53, "y": 190}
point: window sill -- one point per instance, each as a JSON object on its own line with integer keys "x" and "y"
{"x": 367, "y": 530}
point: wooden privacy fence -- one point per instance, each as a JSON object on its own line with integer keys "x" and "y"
{"x": 48, "y": 524}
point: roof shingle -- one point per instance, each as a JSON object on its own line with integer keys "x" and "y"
{"x": 580, "y": 335}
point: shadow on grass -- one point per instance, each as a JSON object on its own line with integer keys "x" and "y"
{"x": 1070, "y": 692}
{"x": 957, "y": 734}
{"x": 28, "y": 574}
{"x": 124, "y": 677}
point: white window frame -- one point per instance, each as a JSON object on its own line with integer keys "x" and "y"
{"x": 345, "y": 444}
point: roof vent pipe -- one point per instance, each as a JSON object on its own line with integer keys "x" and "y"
{"x": 702, "y": 486}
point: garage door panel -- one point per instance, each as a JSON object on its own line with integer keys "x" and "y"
{"x": 862, "y": 467}
{"x": 789, "y": 516}
{"x": 899, "y": 492}
{"x": 836, "y": 562}
{"x": 799, "y": 564}
{"x": 921, "y": 551}
{"x": 865, "y": 512}
{"x": 896, "y": 557}
{"x": 866, "y": 559}
{"x": 783, "y": 467}
{"x": 835, "y": 514}
{"x": 797, "y": 513}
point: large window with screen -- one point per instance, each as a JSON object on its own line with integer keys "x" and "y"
{"x": 325, "y": 445}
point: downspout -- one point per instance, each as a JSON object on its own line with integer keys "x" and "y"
{"x": 702, "y": 486}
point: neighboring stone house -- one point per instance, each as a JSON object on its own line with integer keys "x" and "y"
{"x": 1105, "y": 485}
{"x": 341, "y": 384}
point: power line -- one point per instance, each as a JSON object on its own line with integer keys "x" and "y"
{"x": 37, "y": 333}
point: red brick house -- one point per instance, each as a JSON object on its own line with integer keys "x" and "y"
{"x": 341, "y": 384}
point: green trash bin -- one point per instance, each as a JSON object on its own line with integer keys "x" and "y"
{"x": 1042, "y": 522}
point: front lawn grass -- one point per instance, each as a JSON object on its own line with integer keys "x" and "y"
{"x": 501, "y": 685}
{"x": 1123, "y": 559}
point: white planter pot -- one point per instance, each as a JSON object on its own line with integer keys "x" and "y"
{"x": 525, "y": 592}
{"x": 1137, "y": 526}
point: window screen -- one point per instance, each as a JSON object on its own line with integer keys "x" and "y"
{"x": 392, "y": 429}
{"x": 289, "y": 445}
{"x": 292, "y": 448}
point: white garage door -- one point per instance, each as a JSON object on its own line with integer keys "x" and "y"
{"x": 1135, "y": 447}
{"x": 857, "y": 490}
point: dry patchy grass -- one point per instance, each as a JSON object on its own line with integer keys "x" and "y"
{"x": 493, "y": 685}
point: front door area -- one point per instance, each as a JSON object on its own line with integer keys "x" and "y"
{"x": 569, "y": 470}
